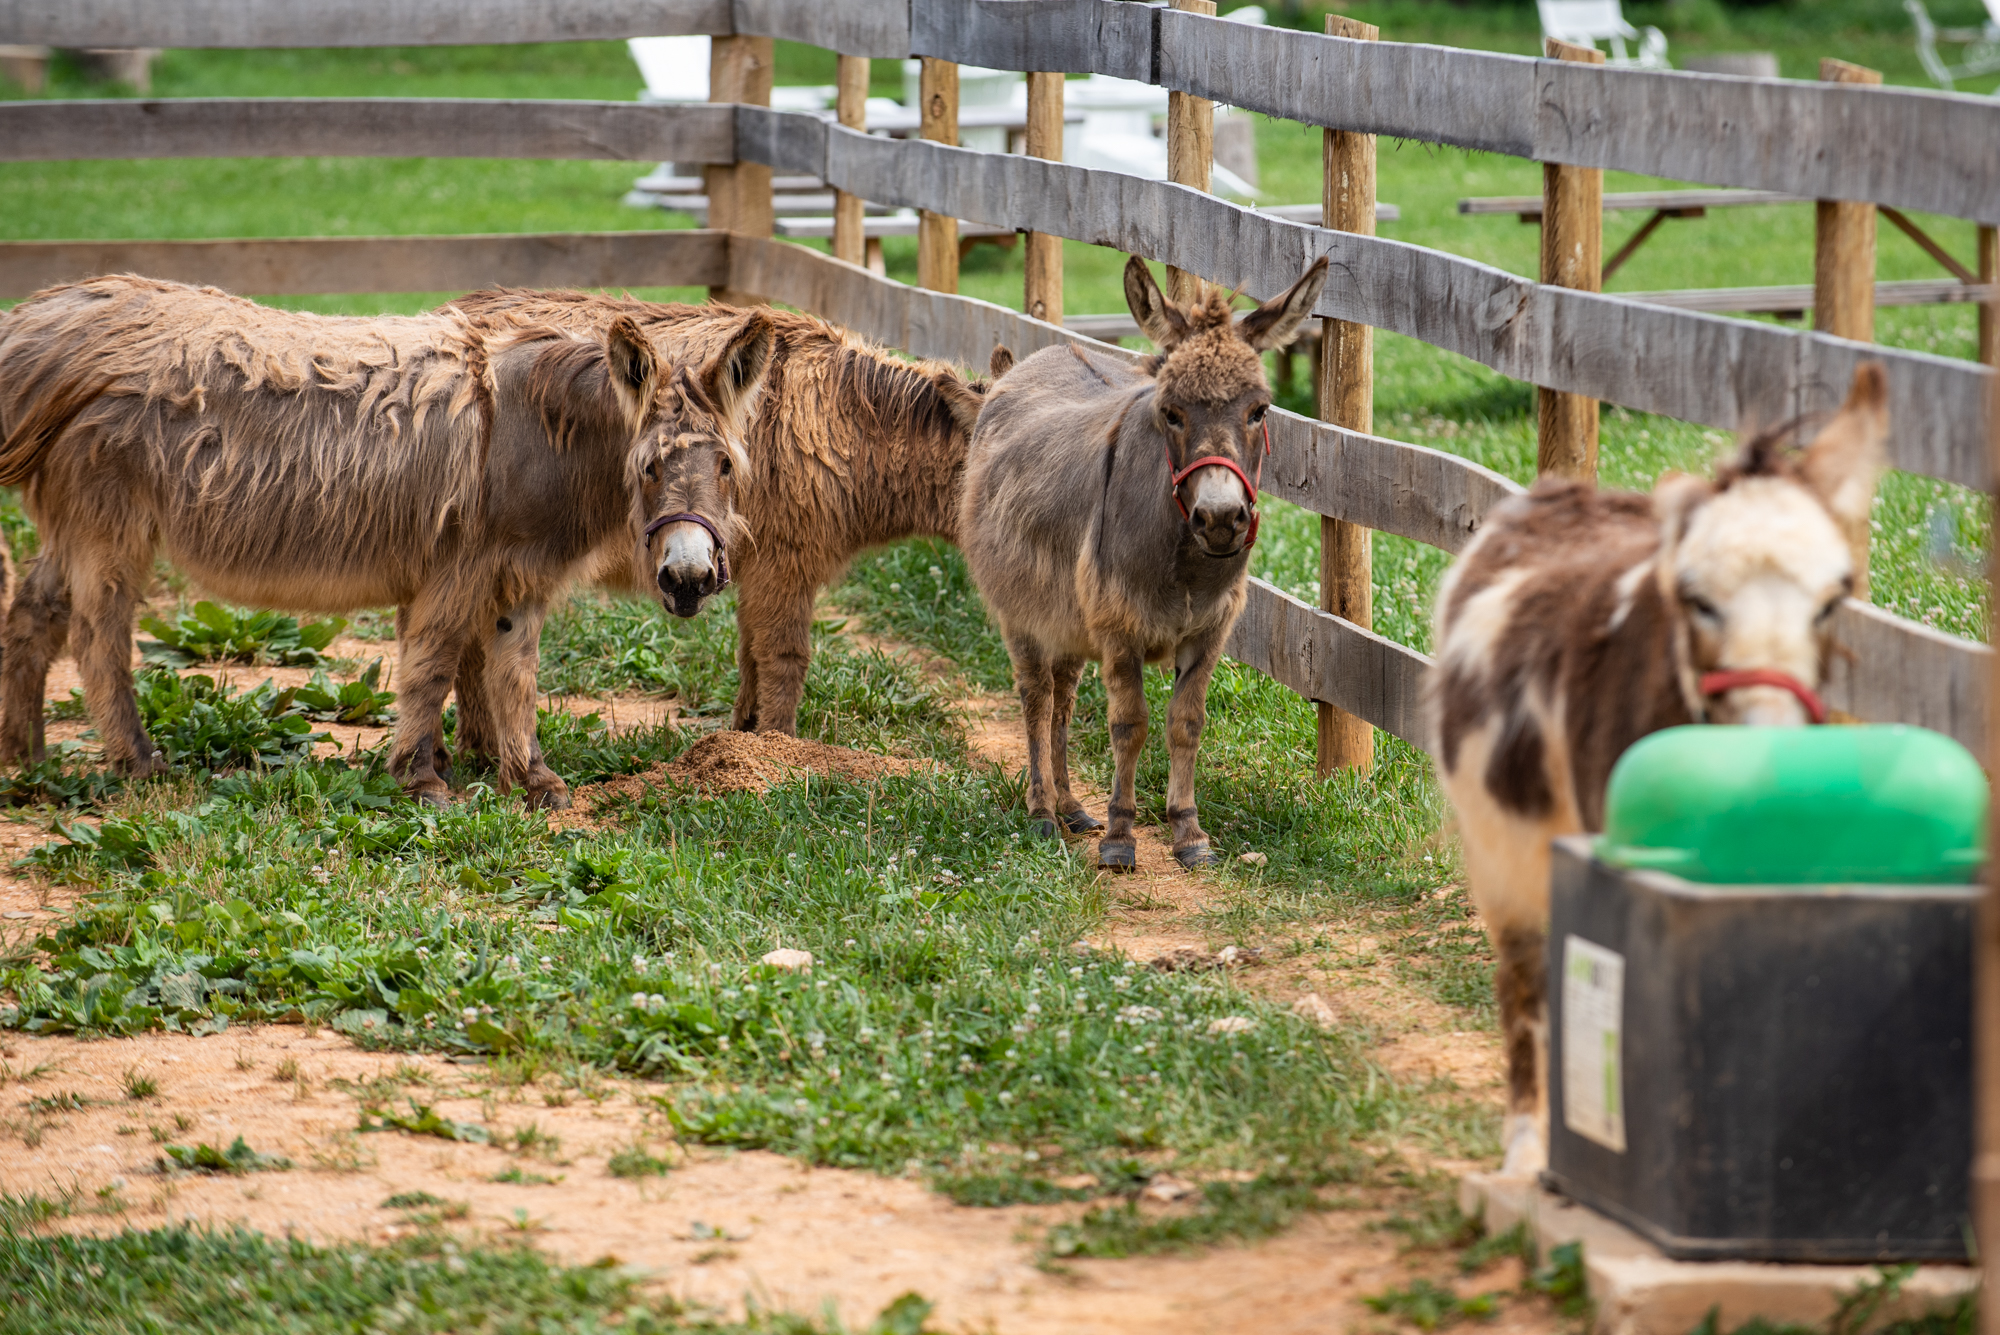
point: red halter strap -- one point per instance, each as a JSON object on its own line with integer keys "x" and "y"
{"x": 1217, "y": 461}
{"x": 1716, "y": 683}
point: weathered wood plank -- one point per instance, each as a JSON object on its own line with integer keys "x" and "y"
{"x": 361, "y": 127}
{"x": 1408, "y": 490}
{"x": 1326, "y": 659}
{"x": 851, "y": 27}
{"x": 293, "y": 23}
{"x": 294, "y": 265}
{"x": 1068, "y": 36}
{"x": 924, "y": 323}
{"x": 785, "y": 141}
{"x": 1909, "y": 147}
{"x": 1702, "y": 368}
{"x": 1437, "y": 94}
{"x": 1903, "y": 672}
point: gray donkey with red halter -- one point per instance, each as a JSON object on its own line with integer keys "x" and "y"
{"x": 1108, "y": 514}
{"x": 1579, "y": 621}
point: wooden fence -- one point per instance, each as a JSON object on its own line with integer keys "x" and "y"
{"x": 1912, "y": 149}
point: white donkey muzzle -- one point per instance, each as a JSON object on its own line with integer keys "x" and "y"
{"x": 695, "y": 563}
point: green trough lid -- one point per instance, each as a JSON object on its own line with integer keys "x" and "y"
{"x": 1798, "y": 806}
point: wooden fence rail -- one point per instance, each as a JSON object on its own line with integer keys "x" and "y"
{"x": 1911, "y": 148}
{"x": 1720, "y": 372}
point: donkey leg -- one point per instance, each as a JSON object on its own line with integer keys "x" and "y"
{"x": 101, "y": 631}
{"x": 1521, "y": 982}
{"x": 780, "y": 624}
{"x": 36, "y": 631}
{"x": 1186, "y": 716}
{"x": 744, "y": 718}
{"x": 1074, "y": 818}
{"x": 478, "y": 734}
{"x": 431, "y": 638}
{"x": 1035, "y": 682}
{"x": 1125, "y": 683}
{"x": 514, "y": 657}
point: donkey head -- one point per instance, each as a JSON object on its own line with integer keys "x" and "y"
{"x": 687, "y": 459}
{"x": 1211, "y": 396}
{"x": 1754, "y": 564}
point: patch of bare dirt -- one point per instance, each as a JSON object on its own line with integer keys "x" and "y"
{"x": 751, "y": 762}
{"x": 718, "y": 1229}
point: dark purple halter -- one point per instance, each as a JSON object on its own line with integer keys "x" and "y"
{"x": 721, "y": 547}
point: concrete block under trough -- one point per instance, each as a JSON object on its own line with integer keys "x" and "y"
{"x": 1639, "y": 1290}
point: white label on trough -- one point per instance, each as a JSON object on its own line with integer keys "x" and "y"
{"x": 1593, "y": 1070}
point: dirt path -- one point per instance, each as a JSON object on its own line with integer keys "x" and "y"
{"x": 720, "y": 1227}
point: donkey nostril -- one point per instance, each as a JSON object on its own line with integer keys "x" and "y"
{"x": 504, "y": 624}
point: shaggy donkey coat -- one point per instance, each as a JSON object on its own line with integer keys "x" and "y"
{"x": 1579, "y": 621}
{"x": 852, "y": 448}
{"x": 325, "y": 464}
{"x": 1107, "y": 515}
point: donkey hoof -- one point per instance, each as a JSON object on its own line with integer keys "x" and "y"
{"x": 555, "y": 798}
{"x": 1120, "y": 856}
{"x": 1081, "y": 822}
{"x": 1045, "y": 829}
{"x": 1196, "y": 855}
{"x": 438, "y": 796}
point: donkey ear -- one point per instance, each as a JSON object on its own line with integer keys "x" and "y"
{"x": 1001, "y": 362}
{"x": 962, "y": 398}
{"x": 1158, "y": 320}
{"x": 634, "y": 367}
{"x": 1842, "y": 463}
{"x": 734, "y": 377}
{"x": 1277, "y": 321}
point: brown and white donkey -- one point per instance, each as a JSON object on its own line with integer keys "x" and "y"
{"x": 1578, "y": 621}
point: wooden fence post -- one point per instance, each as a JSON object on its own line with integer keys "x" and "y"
{"x": 1989, "y": 310}
{"x": 1042, "y": 295}
{"x": 1190, "y": 151}
{"x": 1572, "y": 257}
{"x": 1346, "y": 387}
{"x": 937, "y": 233}
{"x": 849, "y": 241}
{"x": 739, "y": 194}
{"x": 1844, "y": 282}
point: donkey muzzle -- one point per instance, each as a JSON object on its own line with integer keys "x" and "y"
{"x": 1220, "y": 511}
{"x": 1763, "y": 698}
{"x": 693, "y": 564}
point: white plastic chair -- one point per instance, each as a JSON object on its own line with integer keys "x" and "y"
{"x": 1981, "y": 54}
{"x": 1588, "y": 22}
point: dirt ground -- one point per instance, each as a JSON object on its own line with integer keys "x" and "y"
{"x": 721, "y": 1227}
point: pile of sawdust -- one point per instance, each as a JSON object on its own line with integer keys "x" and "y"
{"x": 738, "y": 762}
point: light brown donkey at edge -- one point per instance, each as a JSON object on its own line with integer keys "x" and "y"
{"x": 853, "y": 447}
{"x": 1108, "y": 514}
{"x": 323, "y": 464}
{"x": 1579, "y": 621}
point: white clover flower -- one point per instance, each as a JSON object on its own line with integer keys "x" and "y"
{"x": 1136, "y": 1015}
{"x": 638, "y": 1001}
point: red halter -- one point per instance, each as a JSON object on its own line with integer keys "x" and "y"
{"x": 1217, "y": 461}
{"x": 1716, "y": 683}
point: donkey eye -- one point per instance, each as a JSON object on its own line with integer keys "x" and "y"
{"x": 1826, "y": 613}
{"x": 1701, "y": 607}
{"x": 1173, "y": 418}
{"x": 723, "y": 465}
{"x": 1257, "y": 413}
{"x": 653, "y": 471}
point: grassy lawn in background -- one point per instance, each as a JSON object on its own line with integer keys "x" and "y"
{"x": 951, "y": 1030}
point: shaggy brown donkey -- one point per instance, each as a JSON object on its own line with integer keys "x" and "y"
{"x": 1108, "y": 514}
{"x": 323, "y": 464}
{"x": 852, "y": 447}
{"x": 1579, "y": 621}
